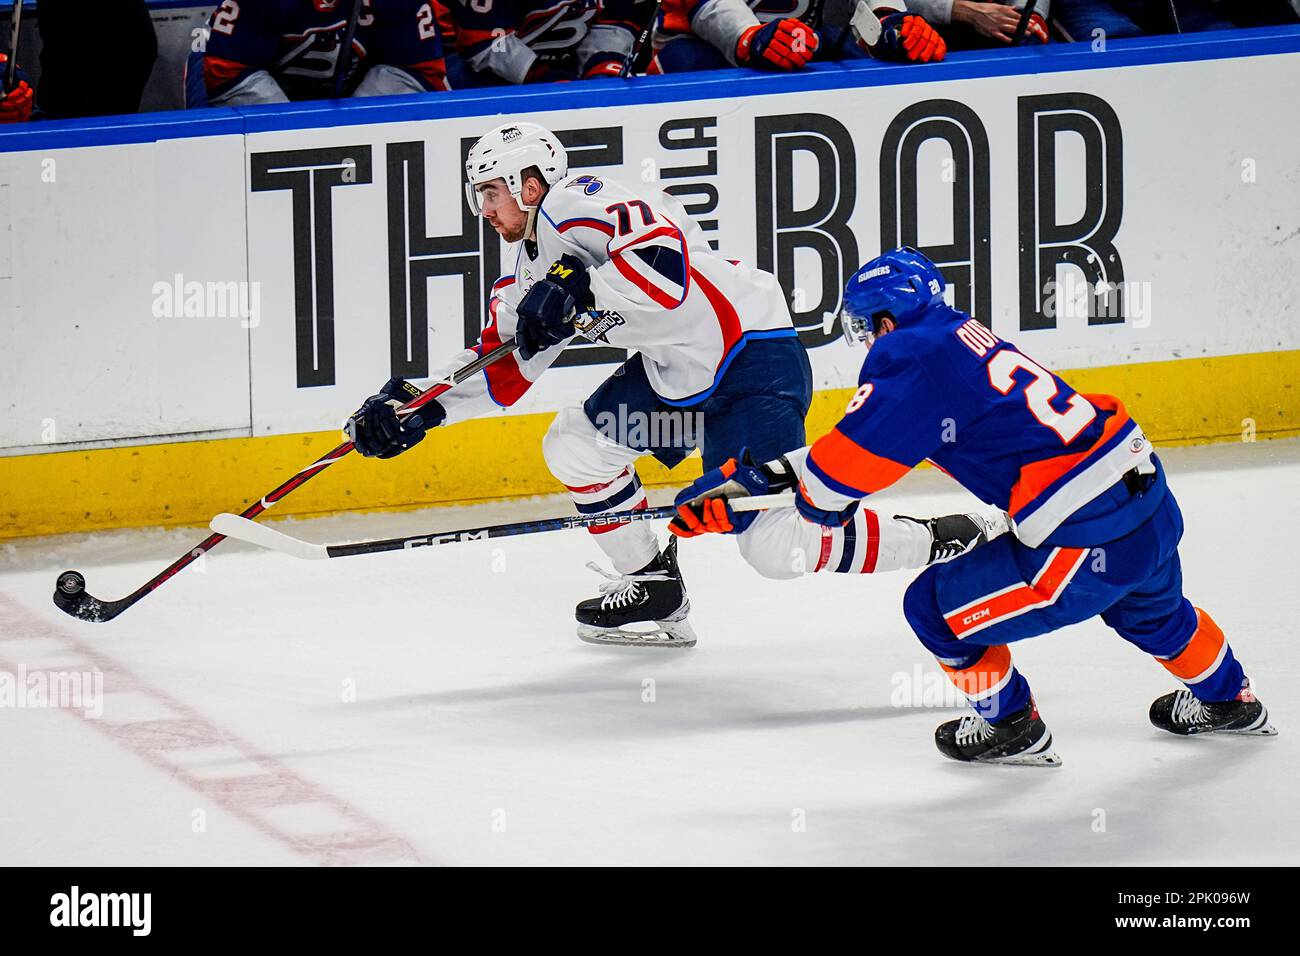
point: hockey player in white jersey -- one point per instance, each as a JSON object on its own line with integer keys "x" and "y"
{"x": 714, "y": 347}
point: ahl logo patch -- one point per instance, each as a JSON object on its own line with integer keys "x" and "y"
{"x": 588, "y": 184}
{"x": 596, "y": 326}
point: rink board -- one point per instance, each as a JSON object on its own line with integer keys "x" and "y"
{"x": 222, "y": 293}
{"x": 185, "y": 483}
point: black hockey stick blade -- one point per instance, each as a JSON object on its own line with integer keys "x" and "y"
{"x": 71, "y": 597}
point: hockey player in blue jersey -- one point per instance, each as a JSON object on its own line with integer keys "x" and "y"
{"x": 275, "y": 51}
{"x": 540, "y": 41}
{"x": 1095, "y": 528}
{"x": 787, "y": 35}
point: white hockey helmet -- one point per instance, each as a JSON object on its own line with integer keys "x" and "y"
{"x": 506, "y": 152}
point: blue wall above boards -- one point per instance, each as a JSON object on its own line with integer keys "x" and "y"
{"x": 686, "y": 87}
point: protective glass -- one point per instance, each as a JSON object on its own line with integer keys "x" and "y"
{"x": 491, "y": 198}
{"x": 471, "y": 197}
{"x": 856, "y": 326}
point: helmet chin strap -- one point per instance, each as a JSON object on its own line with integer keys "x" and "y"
{"x": 530, "y": 227}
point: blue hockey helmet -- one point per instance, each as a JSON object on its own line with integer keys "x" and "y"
{"x": 900, "y": 284}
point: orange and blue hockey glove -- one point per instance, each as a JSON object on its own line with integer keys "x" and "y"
{"x": 702, "y": 506}
{"x": 779, "y": 45}
{"x": 907, "y": 38}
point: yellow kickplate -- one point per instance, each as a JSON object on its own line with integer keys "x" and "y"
{"x": 1189, "y": 401}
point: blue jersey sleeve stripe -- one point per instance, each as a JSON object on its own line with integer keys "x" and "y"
{"x": 848, "y": 491}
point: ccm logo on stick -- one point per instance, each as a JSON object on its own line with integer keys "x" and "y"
{"x": 446, "y": 539}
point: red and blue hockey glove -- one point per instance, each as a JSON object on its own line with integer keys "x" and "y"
{"x": 543, "y": 72}
{"x": 702, "y": 506}
{"x": 604, "y": 65}
{"x": 377, "y": 431}
{"x": 16, "y": 105}
{"x": 907, "y": 38}
{"x": 1035, "y": 31}
{"x": 779, "y": 45}
{"x": 546, "y": 311}
{"x": 821, "y": 516}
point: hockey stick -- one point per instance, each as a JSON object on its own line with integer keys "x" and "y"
{"x": 1173, "y": 17}
{"x": 11, "y": 68}
{"x": 1023, "y": 25}
{"x": 815, "y": 12}
{"x": 816, "y": 18}
{"x": 642, "y": 43}
{"x": 71, "y": 596}
{"x": 234, "y": 526}
{"x": 345, "y": 54}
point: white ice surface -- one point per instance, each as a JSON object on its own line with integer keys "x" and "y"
{"x": 483, "y": 732}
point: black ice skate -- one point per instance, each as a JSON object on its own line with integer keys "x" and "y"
{"x": 1022, "y": 739}
{"x": 645, "y": 609}
{"x": 1181, "y": 713}
{"x": 955, "y": 535}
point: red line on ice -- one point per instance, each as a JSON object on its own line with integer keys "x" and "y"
{"x": 246, "y": 797}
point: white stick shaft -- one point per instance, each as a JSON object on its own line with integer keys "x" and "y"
{"x": 762, "y": 502}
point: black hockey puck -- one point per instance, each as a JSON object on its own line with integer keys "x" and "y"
{"x": 71, "y": 582}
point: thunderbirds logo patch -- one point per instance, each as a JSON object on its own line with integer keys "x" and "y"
{"x": 596, "y": 326}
